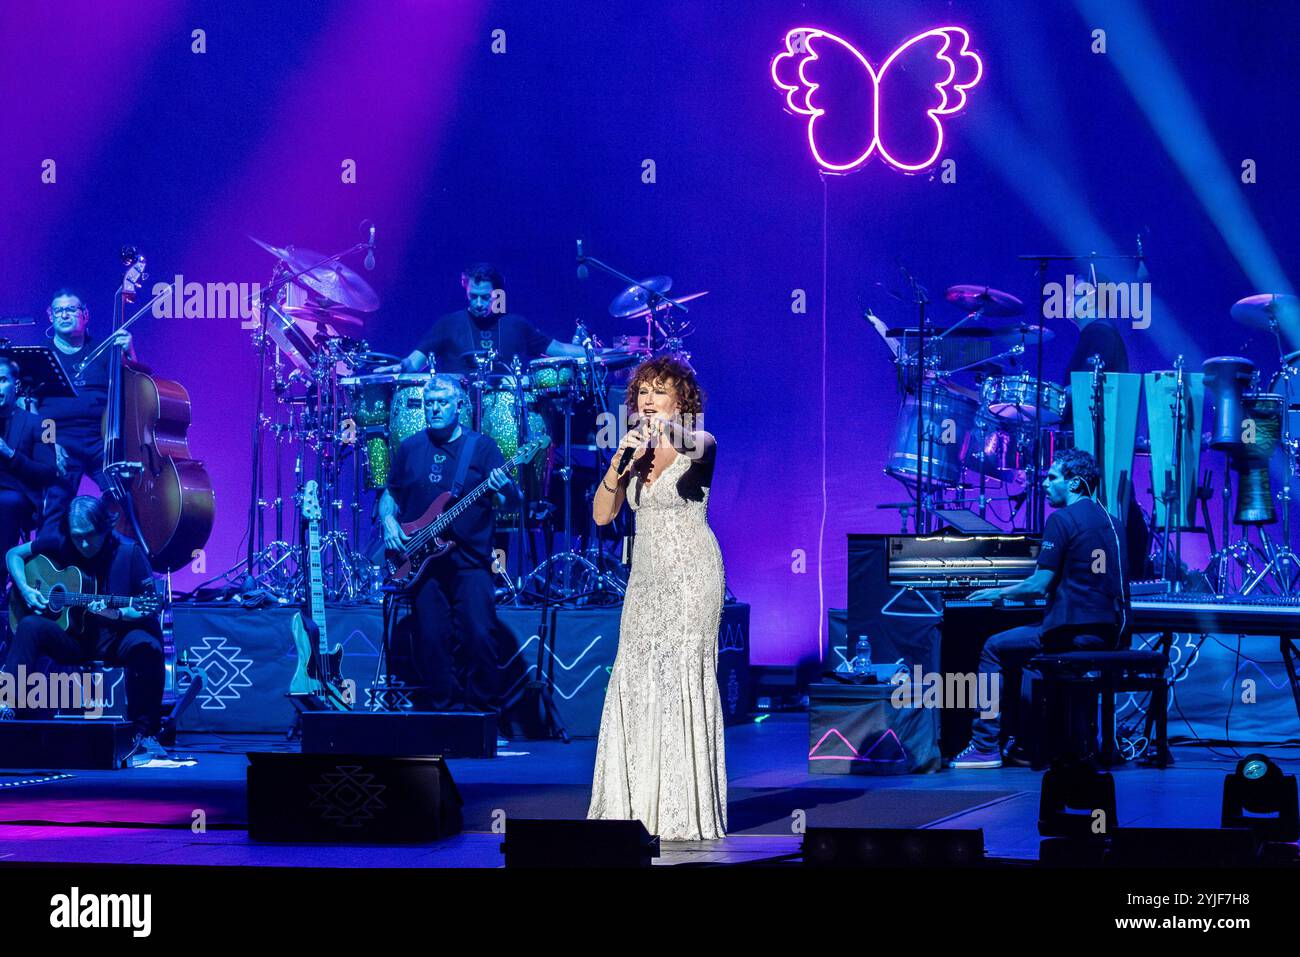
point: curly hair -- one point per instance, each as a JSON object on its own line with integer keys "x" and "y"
{"x": 668, "y": 370}
{"x": 1076, "y": 463}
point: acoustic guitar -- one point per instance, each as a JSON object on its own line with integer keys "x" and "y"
{"x": 68, "y": 591}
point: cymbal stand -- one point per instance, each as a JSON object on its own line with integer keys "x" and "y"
{"x": 572, "y": 576}
{"x": 281, "y": 277}
{"x": 654, "y": 299}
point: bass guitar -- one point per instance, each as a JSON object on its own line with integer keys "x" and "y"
{"x": 406, "y": 565}
{"x": 67, "y": 592}
{"x": 316, "y": 684}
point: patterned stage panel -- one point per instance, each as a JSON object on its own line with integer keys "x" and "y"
{"x": 248, "y": 658}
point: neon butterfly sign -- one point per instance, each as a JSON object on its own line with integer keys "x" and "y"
{"x": 827, "y": 79}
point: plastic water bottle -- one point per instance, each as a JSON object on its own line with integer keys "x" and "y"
{"x": 862, "y": 656}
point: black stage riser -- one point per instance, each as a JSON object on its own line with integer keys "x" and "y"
{"x": 76, "y": 744}
{"x": 468, "y": 734}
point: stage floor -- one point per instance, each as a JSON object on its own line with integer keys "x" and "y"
{"x": 145, "y": 815}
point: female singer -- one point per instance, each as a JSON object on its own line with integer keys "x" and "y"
{"x": 660, "y": 756}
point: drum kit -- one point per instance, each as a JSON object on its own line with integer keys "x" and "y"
{"x": 966, "y": 439}
{"x": 338, "y": 416}
{"x": 979, "y": 416}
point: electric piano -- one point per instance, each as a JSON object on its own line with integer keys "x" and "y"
{"x": 1256, "y": 616}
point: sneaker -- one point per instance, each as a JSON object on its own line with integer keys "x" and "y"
{"x": 147, "y": 748}
{"x": 1014, "y": 754}
{"x": 971, "y": 757}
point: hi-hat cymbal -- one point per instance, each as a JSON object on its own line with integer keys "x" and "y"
{"x": 1259, "y": 310}
{"x": 686, "y": 298}
{"x": 633, "y": 299}
{"x": 989, "y": 301}
{"x": 337, "y": 284}
{"x": 328, "y": 317}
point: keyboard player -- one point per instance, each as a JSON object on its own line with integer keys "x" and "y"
{"x": 1080, "y": 572}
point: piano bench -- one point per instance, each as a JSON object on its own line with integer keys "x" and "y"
{"x": 1072, "y": 682}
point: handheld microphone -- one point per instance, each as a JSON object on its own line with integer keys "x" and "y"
{"x": 626, "y": 458}
{"x": 582, "y": 262}
{"x": 370, "y": 252}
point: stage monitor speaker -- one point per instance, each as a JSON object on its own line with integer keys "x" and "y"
{"x": 450, "y": 734}
{"x": 350, "y": 798}
{"x": 77, "y": 744}
{"x": 581, "y": 843}
{"x": 892, "y": 847}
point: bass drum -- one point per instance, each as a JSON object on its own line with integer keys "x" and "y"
{"x": 950, "y": 419}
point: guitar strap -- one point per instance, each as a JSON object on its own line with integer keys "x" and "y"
{"x": 462, "y": 467}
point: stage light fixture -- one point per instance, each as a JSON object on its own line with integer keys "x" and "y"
{"x": 1076, "y": 800}
{"x": 1259, "y": 796}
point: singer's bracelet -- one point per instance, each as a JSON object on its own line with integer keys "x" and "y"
{"x": 607, "y": 488}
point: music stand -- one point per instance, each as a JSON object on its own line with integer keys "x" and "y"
{"x": 40, "y": 371}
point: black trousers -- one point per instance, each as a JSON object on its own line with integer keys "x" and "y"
{"x": 1004, "y": 660}
{"x": 16, "y": 516}
{"x": 455, "y": 622}
{"x": 137, "y": 651}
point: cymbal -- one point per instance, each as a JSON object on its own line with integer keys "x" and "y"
{"x": 327, "y": 317}
{"x": 633, "y": 299}
{"x": 686, "y": 298}
{"x": 333, "y": 281}
{"x": 375, "y": 359}
{"x": 992, "y": 302}
{"x": 1258, "y": 310}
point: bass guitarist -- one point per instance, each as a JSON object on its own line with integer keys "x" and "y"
{"x": 119, "y": 636}
{"x": 454, "y": 601}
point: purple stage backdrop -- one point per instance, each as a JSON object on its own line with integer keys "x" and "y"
{"x": 653, "y": 131}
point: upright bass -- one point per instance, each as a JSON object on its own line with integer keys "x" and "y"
{"x": 165, "y": 494}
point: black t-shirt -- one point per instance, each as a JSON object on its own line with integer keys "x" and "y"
{"x": 1101, "y": 337}
{"x": 458, "y": 332}
{"x": 82, "y": 415}
{"x": 121, "y": 567}
{"x": 1083, "y": 548}
{"x": 423, "y": 469}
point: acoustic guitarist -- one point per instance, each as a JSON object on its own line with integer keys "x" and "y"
{"x": 454, "y": 602}
{"x": 123, "y": 637}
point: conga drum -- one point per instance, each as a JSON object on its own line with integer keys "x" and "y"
{"x": 1227, "y": 378}
{"x": 1260, "y": 429}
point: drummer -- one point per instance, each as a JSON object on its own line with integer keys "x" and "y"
{"x": 1099, "y": 335}
{"x": 482, "y": 325}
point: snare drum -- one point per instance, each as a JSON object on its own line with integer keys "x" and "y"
{"x": 1012, "y": 397}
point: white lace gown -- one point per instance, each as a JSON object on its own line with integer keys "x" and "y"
{"x": 660, "y": 756}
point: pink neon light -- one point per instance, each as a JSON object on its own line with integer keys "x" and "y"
{"x": 855, "y": 756}
{"x": 799, "y": 94}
